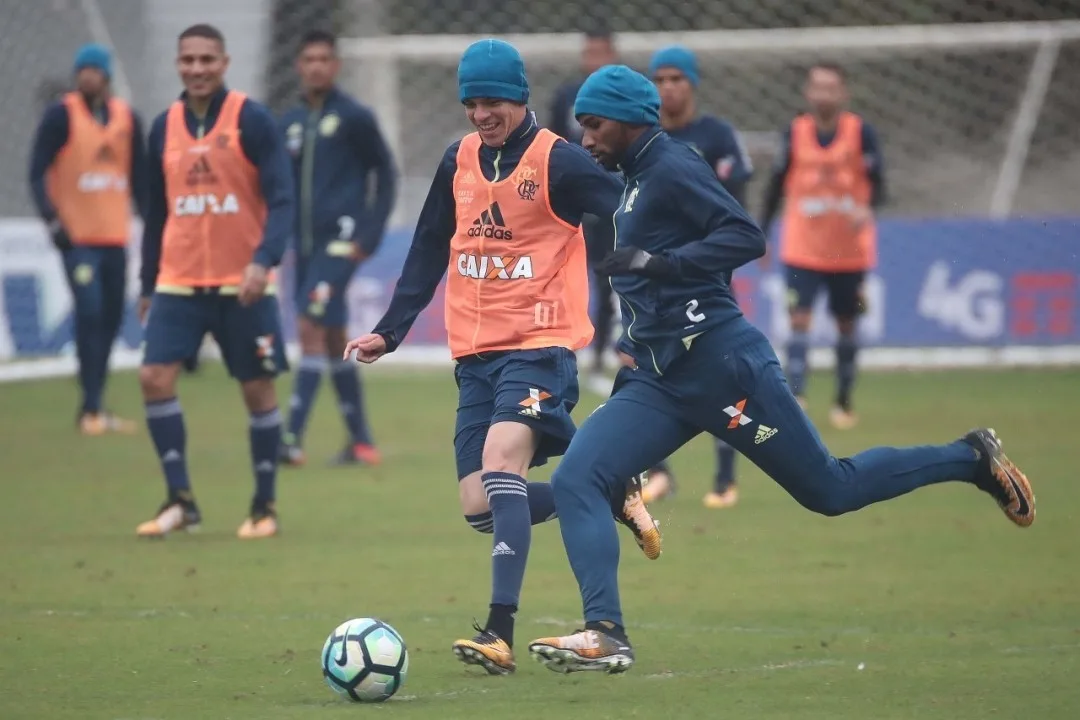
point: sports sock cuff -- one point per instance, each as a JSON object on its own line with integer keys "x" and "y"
{"x": 314, "y": 363}
{"x": 504, "y": 483}
{"x": 482, "y": 522}
{"x": 339, "y": 366}
{"x": 265, "y": 420}
{"x": 163, "y": 408}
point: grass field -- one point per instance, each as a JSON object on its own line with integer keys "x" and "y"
{"x": 932, "y": 606}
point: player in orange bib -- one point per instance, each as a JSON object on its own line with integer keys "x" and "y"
{"x": 502, "y": 219}
{"x": 221, "y": 213}
{"x": 88, "y": 164}
{"x": 829, "y": 177}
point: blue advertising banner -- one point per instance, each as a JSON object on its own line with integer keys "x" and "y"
{"x": 939, "y": 283}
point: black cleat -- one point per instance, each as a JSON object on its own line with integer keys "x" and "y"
{"x": 1000, "y": 478}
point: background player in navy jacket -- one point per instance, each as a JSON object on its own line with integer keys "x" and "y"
{"x": 97, "y": 273}
{"x": 597, "y": 50}
{"x": 674, "y": 70}
{"x": 696, "y": 365}
{"x": 337, "y": 151}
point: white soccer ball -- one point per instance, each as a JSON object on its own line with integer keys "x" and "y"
{"x": 365, "y": 660}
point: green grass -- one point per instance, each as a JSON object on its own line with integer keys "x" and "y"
{"x": 762, "y": 611}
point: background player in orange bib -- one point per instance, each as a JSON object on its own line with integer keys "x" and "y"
{"x": 502, "y": 219}
{"x": 220, "y": 214}
{"x": 829, "y": 177}
{"x": 87, "y": 165}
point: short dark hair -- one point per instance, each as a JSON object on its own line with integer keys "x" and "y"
{"x": 203, "y": 30}
{"x": 318, "y": 37}
{"x": 600, "y": 31}
{"x": 828, "y": 66}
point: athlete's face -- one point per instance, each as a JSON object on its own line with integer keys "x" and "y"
{"x": 318, "y": 66}
{"x": 596, "y": 53}
{"x": 675, "y": 90}
{"x": 606, "y": 139}
{"x": 825, "y": 91}
{"x": 494, "y": 119}
{"x": 202, "y": 63}
{"x": 91, "y": 82}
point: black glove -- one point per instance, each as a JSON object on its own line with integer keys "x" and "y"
{"x": 635, "y": 261}
{"x": 59, "y": 235}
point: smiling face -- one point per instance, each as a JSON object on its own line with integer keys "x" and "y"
{"x": 201, "y": 63}
{"x": 494, "y": 118}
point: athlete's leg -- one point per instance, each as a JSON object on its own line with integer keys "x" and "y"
{"x": 254, "y": 354}
{"x": 174, "y": 330}
{"x": 846, "y": 304}
{"x": 803, "y": 286}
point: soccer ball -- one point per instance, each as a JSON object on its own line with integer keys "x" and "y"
{"x": 365, "y": 660}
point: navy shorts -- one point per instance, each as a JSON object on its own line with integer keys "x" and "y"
{"x": 249, "y": 337}
{"x": 538, "y": 388}
{"x": 322, "y": 281}
{"x": 845, "y": 290}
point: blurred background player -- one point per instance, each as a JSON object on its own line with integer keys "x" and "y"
{"x": 597, "y": 51}
{"x": 220, "y": 210}
{"x": 829, "y": 176}
{"x": 674, "y": 71}
{"x": 516, "y": 311}
{"x": 88, "y": 163}
{"x": 336, "y": 149}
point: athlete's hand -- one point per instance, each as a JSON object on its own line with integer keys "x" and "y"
{"x": 143, "y": 309}
{"x": 634, "y": 261}
{"x": 253, "y": 286}
{"x": 368, "y": 348}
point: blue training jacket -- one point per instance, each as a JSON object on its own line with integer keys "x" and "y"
{"x": 674, "y": 207}
{"x": 577, "y": 187}
{"x": 335, "y": 149}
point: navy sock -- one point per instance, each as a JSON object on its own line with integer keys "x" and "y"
{"x": 508, "y": 499}
{"x": 481, "y": 523}
{"x": 165, "y": 420}
{"x": 541, "y": 502}
{"x": 725, "y": 467}
{"x": 797, "y": 350}
{"x": 846, "y": 350}
{"x": 351, "y": 401}
{"x": 265, "y": 434}
{"x": 305, "y": 388}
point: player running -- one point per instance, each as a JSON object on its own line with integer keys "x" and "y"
{"x": 87, "y": 164}
{"x": 829, "y": 176}
{"x": 674, "y": 70}
{"x": 337, "y": 151}
{"x": 699, "y": 366}
{"x": 220, "y": 214}
{"x": 502, "y": 220}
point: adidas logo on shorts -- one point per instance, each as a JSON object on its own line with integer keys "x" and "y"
{"x": 764, "y": 432}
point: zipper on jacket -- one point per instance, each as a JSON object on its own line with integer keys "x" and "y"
{"x": 307, "y": 177}
{"x": 633, "y": 315}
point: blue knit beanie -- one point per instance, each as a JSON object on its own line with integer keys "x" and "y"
{"x": 618, "y": 93}
{"x": 679, "y": 57}
{"x": 492, "y": 69}
{"x": 94, "y": 56}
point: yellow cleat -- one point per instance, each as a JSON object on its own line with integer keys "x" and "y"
{"x": 173, "y": 515}
{"x": 637, "y": 517}
{"x": 95, "y": 424}
{"x": 262, "y": 523}
{"x": 720, "y": 500}
{"x": 117, "y": 424}
{"x": 842, "y": 419}
{"x": 487, "y": 650}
